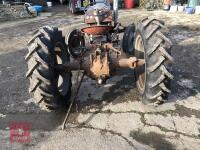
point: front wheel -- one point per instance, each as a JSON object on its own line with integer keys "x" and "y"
{"x": 152, "y": 45}
{"x": 72, "y": 7}
{"x": 128, "y": 40}
{"x": 62, "y": 1}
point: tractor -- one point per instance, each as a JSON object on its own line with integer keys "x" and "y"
{"x": 97, "y": 50}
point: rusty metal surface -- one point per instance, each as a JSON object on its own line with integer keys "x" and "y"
{"x": 99, "y": 66}
{"x": 90, "y": 18}
{"x": 131, "y": 62}
{"x": 97, "y": 63}
{"x": 110, "y": 47}
{"x": 97, "y": 30}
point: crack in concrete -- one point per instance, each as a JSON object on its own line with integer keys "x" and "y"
{"x": 163, "y": 113}
{"x": 174, "y": 125}
{"x": 103, "y": 130}
{"x": 167, "y": 130}
{"x": 145, "y": 123}
{"x": 187, "y": 111}
{"x": 177, "y": 132}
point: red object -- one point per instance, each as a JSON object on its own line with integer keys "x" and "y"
{"x": 129, "y": 4}
{"x": 97, "y": 30}
{"x": 167, "y": 2}
{"x": 19, "y": 132}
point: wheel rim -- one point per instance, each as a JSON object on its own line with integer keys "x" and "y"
{"x": 141, "y": 77}
{"x": 75, "y": 42}
{"x": 63, "y": 78}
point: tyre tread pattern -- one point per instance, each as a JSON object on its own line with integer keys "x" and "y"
{"x": 40, "y": 70}
{"x": 159, "y": 48}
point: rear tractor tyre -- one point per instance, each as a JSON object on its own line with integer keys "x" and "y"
{"x": 50, "y": 89}
{"x": 151, "y": 44}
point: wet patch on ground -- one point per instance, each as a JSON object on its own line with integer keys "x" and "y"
{"x": 153, "y": 139}
{"x": 183, "y": 111}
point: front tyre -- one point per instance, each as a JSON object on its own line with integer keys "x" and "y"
{"x": 72, "y": 7}
{"x": 128, "y": 40}
{"x": 151, "y": 44}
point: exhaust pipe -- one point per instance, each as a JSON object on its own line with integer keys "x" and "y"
{"x": 115, "y": 11}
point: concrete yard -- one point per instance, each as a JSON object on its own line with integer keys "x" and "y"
{"x": 108, "y": 117}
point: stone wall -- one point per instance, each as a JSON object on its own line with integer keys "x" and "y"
{"x": 8, "y": 12}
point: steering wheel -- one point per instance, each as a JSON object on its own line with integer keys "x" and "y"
{"x": 93, "y": 3}
{"x": 86, "y": 7}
